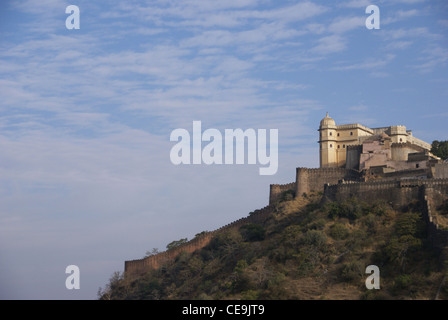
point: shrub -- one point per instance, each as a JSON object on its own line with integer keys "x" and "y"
{"x": 350, "y": 209}
{"x": 402, "y": 282}
{"x": 250, "y": 295}
{"x": 287, "y": 195}
{"x": 338, "y": 231}
{"x": 370, "y": 222}
{"x": 352, "y": 271}
{"x": 315, "y": 238}
{"x": 318, "y": 224}
{"x": 253, "y": 232}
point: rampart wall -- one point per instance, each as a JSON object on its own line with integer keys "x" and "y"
{"x": 308, "y": 180}
{"x": 397, "y": 192}
{"x": 437, "y": 235}
{"x": 276, "y": 191}
{"x": 140, "y": 266}
{"x": 337, "y": 184}
{"x": 440, "y": 170}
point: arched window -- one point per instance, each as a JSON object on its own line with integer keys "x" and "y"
{"x": 339, "y": 146}
{"x": 331, "y": 133}
{"x": 343, "y": 146}
{"x": 331, "y": 146}
{"x": 351, "y": 133}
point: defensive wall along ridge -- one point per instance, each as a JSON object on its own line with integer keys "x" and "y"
{"x": 336, "y": 184}
{"x": 141, "y": 266}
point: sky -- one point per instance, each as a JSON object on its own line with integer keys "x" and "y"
{"x": 86, "y": 115}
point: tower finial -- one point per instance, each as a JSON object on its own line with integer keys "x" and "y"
{"x": 327, "y": 114}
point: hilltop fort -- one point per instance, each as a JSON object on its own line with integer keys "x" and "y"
{"x": 386, "y": 163}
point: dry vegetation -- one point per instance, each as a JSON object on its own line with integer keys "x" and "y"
{"x": 306, "y": 250}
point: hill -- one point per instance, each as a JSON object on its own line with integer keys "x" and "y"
{"x": 306, "y": 249}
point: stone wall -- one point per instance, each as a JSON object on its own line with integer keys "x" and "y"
{"x": 308, "y": 180}
{"x": 353, "y": 155}
{"x": 337, "y": 184}
{"x": 437, "y": 235}
{"x": 399, "y": 193}
{"x": 141, "y": 266}
{"x": 276, "y": 191}
{"x": 440, "y": 170}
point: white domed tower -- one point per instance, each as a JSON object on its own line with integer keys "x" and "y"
{"x": 327, "y": 143}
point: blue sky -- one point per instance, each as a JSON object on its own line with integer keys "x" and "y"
{"x": 86, "y": 116}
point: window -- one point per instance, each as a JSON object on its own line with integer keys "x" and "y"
{"x": 343, "y": 146}
{"x": 338, "y": 134}
{"x": 331, "y": 133}
{"x": 331, "y": 146}
{"x": 417, "y": 165}
{"x": 401, "y": 140}
{"x": 351, "y": 133}
{"x": 339, "y": 146}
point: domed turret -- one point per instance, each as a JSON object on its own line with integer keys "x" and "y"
{"x": 327, "y": 141}
{"x": 327, "y": 122}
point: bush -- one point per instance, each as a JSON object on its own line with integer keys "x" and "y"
{"x": 318, "y": 225}
{"x": 287, "y": 195}
{"x": 352, "y": 271}
{"x": 350, "y": 209}
{"x": 402, "y": 282}
{"x": 370, "y": 222}
{"x": 338, "y": 231}
{"x": 252, "y": 232}
{"x": 315, "y": 238}
{"x": 250, "y": 295}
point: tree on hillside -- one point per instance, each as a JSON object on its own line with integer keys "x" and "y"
{"x": 176, "y": 243}
{"x": 152, "y": 253}
{"x": 440, "y": 149}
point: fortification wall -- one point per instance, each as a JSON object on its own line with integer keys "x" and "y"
{"x": 276, "y": 190}
{"x": 440, "y": 170}
{"x": 366, "y": 191}
{"x": 406, "y": 174}
{"x": 141, "y": 266}
{"x": 432, "y": 192}
{"x": 437, "y": 235}
{"x": 397, "y": 192}
{"x": 308, "y": 180}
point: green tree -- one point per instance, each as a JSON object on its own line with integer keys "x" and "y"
{"x": 152, "y": 253}
{"x": 176, "y": 243}
{"x": 440, "y": 149}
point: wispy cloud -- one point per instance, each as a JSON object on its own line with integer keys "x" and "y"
{"x": 368, "y": 64}
{"x": 329, "y": 44}
{"x": 85, "y": 115}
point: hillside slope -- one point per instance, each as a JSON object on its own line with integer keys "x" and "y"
{"x": 305, "y": 250}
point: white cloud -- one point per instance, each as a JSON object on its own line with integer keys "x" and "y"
{"x": 360, "y": 107}
{"x": 329, "y": 44}
{"x": 356, "y": 4}
{"x": 400, "y": 15}
{"x": 368, "y": 64}
{"x": 341, "y": 25}
{"x": 433, "y": 57}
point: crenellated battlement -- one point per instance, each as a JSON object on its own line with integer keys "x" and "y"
{"x": 276, "y": 191}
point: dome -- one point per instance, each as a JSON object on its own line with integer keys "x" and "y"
{"x": 327, "y": 121}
